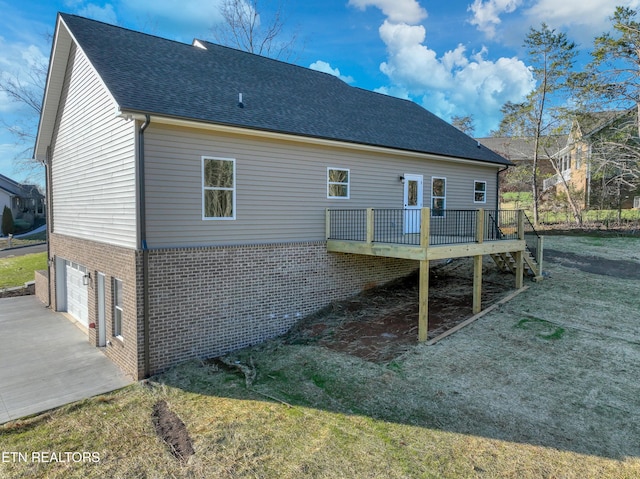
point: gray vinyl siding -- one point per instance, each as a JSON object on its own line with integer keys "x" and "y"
{"x": 281, "y": 187}
{"x": 93, "y": 172}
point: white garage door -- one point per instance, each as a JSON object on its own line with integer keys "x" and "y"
{"x": 77, "y": 293}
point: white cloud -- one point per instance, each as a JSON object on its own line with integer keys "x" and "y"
{"x": 103, "y": 14}
{"x": 397, "y": 11}
{"x": 454, "y": 83}
{"x": 325, "y": 67}
{"x": 486, "y": 13}
{"x": 587, "y": 18}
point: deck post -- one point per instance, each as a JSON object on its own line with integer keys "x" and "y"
{"x": 423, "y": 302}
{"x": 370, "y": 226}
{"x": 425, "y": 226}
{"x": 519, "y": 269}
{"x": 520, "y": 224}
{"x": 327, "y": 223}
{"x": 477, "y": 284}
{"x": 477, "y": 264}
{"x": 519, "y": 257}
{"x": 480, "y": 226}
{"x": 540, "y": 255}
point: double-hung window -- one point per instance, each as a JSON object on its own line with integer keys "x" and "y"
{"x": 480, "y": 192}
{"x": 438, "y": 196}
{"x": 117, "y": 307}
{"x": 218, "y": 188}
{"x": 338, "y": 183}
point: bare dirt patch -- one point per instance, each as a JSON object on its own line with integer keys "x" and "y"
{"x": 591, "y": 264}
{"x": 381, "y": 324}
{"x": 172, "y": 431}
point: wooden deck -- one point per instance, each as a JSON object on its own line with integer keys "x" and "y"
{"x": 425, "y": 247}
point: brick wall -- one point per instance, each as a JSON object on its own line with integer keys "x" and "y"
{"x": 42, "y": 286}
{"x": 114, "y": 262}
{"x": 208, "y": 301}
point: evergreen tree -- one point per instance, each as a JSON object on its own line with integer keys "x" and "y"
{"x": 7, "y": 221}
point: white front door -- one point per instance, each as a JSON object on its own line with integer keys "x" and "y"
{"x": 77, "y": 294}
{"x": 412, "y": 203}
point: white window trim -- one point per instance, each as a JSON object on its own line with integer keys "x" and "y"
{"x": 444, "y": 197}
{"x": 116, "y": 333}
{"x": 204, "y": 188}
{"x": 348, "y": 183}
{"x": 477, "y": 191}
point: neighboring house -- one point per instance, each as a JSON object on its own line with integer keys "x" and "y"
{"x": 583, "y": 163}
{"x": 25, "y": 201}
{"x": 519, "y": 150}
{"x": 188, "y": 189}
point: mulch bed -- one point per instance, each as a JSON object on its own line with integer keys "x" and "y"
{"x": 12, "y": 293}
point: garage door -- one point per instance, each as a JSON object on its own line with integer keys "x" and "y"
{"x": 77, "y": 293}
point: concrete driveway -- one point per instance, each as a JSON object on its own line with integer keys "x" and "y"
{"x": 46, "y": 361}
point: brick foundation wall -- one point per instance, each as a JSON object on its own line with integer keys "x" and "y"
{"x": 114, "y": 262}
{"x": 42, "y": 286}
{"x": 208, "y": 301}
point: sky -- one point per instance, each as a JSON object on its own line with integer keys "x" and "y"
{"x": 453, "y": 57}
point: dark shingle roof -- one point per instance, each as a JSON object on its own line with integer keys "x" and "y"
{"x": 18, "y": 189}
{"x": 521, "y": 148}
{"x": 153, "y": 75}
{"x": 592, "y": 122}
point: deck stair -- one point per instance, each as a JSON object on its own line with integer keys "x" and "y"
{"x": 532, "y": 255}
{"x": 507, "y": 263}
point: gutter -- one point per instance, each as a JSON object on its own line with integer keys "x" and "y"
{"x": 143, "y": 243}
{"x": 48, "y": 218}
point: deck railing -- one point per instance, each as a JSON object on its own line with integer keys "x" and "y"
{"x": 400, "y": 226}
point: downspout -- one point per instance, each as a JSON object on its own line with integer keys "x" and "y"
{"x": 498, "y": 186}
{"x": 498, "y": 195}
{"x": 48, "y": 218}
{"x": 142, "y": 208}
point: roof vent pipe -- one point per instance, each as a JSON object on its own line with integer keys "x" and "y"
{"x": 240, "y": 104}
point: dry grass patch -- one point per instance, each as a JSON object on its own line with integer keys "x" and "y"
{"x": 544, "y": 386}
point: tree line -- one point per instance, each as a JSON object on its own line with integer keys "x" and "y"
{"x": 610, "y": 81}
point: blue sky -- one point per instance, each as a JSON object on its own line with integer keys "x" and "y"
{"x": 455, "y": 57}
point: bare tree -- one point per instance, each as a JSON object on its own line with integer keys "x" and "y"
{"x": 552, "y": 57}
{"x": 464, "y": 123}
{"x": 26, "y": 88}
{"x": 244, "y": 27}
{"x": 612, "y": 81}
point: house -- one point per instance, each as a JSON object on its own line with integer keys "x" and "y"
{"x": 519, "y": 150}
{"x": 585, "y": 160}
{"x": 192, "y": 189}
{"x": 25, "y": 201}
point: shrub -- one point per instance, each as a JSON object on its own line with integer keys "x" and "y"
{"x": 7, "y": 221}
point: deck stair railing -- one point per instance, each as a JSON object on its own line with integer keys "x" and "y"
{"x": 503, "y": 225}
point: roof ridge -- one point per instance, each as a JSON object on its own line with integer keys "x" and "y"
{"x": 64, "y": 14}
{"x": 238, "y": 50}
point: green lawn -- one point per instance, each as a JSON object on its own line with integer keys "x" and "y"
{"x": 17, "y": 270}
{"x": 36, "y": 238}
